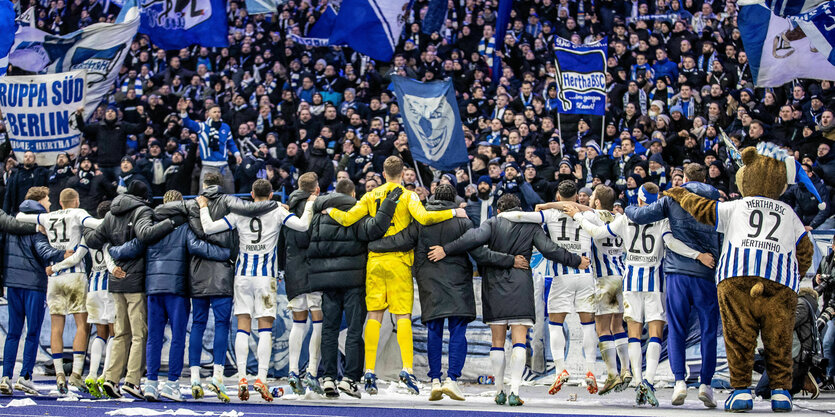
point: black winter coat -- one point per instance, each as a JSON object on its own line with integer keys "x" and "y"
{"x": 216, "y": 278}
{"x": 19, "y": 183}
{"x": 319, "y": 162}
{"x": 92, "y": 189}
{"x": 445, "y": 287}
{"x": 507, "y": 294}
{"x": 337, "y": 255}
{"x": 293, "y": 245}
{"x": 111, "y": 139}
{"x": 129, "y": 217}
{"x": 167, "y": 261}
{"x": 59, "y": 179}
{"x": 27, "y": 252}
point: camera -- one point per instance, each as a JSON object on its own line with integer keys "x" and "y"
{"x": 826, "y": 284}
{"x": 826, "y": 314}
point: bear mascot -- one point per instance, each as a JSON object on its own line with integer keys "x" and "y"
{"x": 765, "y": 253}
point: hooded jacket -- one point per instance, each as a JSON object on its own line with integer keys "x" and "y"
{"x": 216, "y": 278}
{"x": 507, "y": 293}
{"x": 27, "y": 252}
{"x": 445, "y": 287}
{"x": 167, "y": 261}
{"x": 129, "y": 217}
{"x": 685, "y": 228}
{"x": 337, "y": 255}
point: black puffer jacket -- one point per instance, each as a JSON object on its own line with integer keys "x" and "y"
{"x": 213, "y": 278}
{"x": 337, "y": 255}
{"x": 507, "y": 294}
{"x": 445, "y": 287}
{"x": 111, "y": 137}
{"x": 293, "y": 244}
{"x": 129, "y": 217}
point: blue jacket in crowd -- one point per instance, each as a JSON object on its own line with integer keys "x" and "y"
{"x": 167, "y": 261}
{"x": 685, "y": 228}
{"x": 214, "y": 140}
{"x": 27, "y": 256}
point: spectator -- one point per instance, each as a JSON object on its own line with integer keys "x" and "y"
{"x": 24, "y": 177}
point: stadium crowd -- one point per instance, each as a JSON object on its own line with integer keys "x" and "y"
{"x": 678, "y": 79}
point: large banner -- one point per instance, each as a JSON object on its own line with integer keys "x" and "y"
{"x": 39, "y": 112}
{"x": 100, "y": 49}
{"x": 432, "y": 123}
{"x": 581, "y": 77}
{"x": 781, "y": 49}
{"x": 179, "y": 24}
{"x": 371, "y": 27}
{"x": 320, "y": 32}
{"x": 262, "y": 6}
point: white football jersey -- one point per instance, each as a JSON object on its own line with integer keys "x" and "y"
{"x": 644, "y": 248}
{"x": 64, "y": 229}
{"x": 568, "y": 234}
{"x": 608, "y": 253}
{"x": 761, "y": 237}
{"x": 258, "y": 237}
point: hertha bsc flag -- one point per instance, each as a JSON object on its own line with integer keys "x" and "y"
{"x": 433, "y": 125}
{"x": 581, "y": 77}
{"x": 370, "y": 27}
{"x": 782, "y": 49}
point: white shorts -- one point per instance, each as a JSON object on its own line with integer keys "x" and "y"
{"x": 572, "y": 293}
{"x": 527, "y": 323}
{"x": 305, "y": 302}
{"x": 644, "y": 307}
{"x": 609, "y": 295}
{"x": 101, "y": 309}
{"x": 66, "y": 294}
{"x": 255, "y": 296}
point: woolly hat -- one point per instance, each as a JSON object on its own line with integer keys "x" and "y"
{"x": 513, "y": 165}
{"x": 451, "y": 178}
{"x": 656, "y": 157}
{"x": 595, "y": 146}
{"x": 484, "y": 178}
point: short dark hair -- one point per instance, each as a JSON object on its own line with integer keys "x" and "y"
{"x": 508, "y": 202}
{"x": 103, "y": 209}
{"x": 445, "y": 192}
{"x": 567, "y": 188}
{"x": 345, "y": 186}
{"x": 695, "y": 172}
{"x": 262, "y": 188}
{"x": 212, "y": 178}
{"x": 606, "y": 196}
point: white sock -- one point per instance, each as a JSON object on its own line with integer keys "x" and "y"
{"x": 497, "y": 360}
{"x": 96, "y": 352}
{"x": 622, "y": 350}
{"x": 108, "y": 354}
{"x": 241, "y": 352}
{"x": 653, "y": 355}
{"x": 217, "y": 372}
{"x": 295, "y": 347}
{"x": 589, "y": 345}
{"x": 78, "y": 362}
{"x": 195, "y": 374}
{"x": 557, "y": 345}
{"x": 607, "y": 351}
{"x": 58, "y": 362}
{"x": 265, "y": 348}
{"x": 517, "y": 367}
{"x": 635, "y": 358}
{"x": 314, "y": 349}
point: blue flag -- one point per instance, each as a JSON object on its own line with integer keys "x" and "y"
{"x": 581, "y": 77}
{"x": 7, "y": 34}
{"x": 262, "y": 6}
{"x": 321, "y": 30}
{"x": 433, "y": 125}
{"x": 435, "y": 16}
{"x": 178, "y": 24}
{"x": 777, "y": 56}
{"x": 502, "y": 19}
{"x": 371, "y": 27}
{"x": 785, "y": 8}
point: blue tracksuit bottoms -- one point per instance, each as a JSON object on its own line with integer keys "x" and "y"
{"x": 685, "y": 293}
{"x": 166, "y": 309}
{"x": 222, "y": 309}
{"x": 28, "y": 305}
{"x": 457, "y": 346}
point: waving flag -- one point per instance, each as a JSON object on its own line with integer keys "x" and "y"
{"x": 321, "y": 30}
{"x": 433, "y": 125}
{"x": 581, "y": 77}
{"x": 784, "y": 8}
{"x": 262, "y": 6}
{"x": 178, "y": 24}
{"x": 371, "y": 27}
{"x": 100, "y": 49}
{"x": 7, "y": 36}
{"x": 502, "y": 19}
{"x": 782, "y": 49}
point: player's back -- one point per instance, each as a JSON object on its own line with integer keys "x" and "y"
{"x": 607, "y": 251}
{"x": 569, "y": 235}
{"x": 258, "y": 236}
{"x": 402, "y": 218}
{"x": 644, "y": 248}
{"x": 98, "y": 271}
{"x": 63, "y": 227}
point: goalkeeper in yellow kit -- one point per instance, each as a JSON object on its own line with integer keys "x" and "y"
{"x": 388, "y": 282}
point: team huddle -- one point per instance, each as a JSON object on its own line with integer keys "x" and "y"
{"x": 148, "y": 268}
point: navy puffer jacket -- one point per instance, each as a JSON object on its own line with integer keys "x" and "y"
{"x": 167, "y": 261}
{"x": 27, "y": 256}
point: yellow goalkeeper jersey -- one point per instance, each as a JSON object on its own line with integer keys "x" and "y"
{"x": 408, "y": 207}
